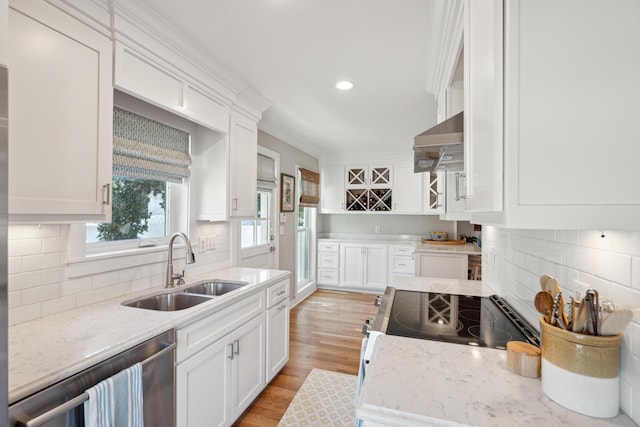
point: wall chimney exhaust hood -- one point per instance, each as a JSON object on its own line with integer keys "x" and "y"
{"x": 441, "y": 147}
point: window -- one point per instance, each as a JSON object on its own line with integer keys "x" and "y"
{"x": 258, "y": 232}
{"x": 305, "y": 238}
{"x": 150, "y": 167}
{"x": 303, "y": 245}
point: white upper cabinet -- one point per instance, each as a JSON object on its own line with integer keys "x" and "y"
{"x": 407, "y": 189}
{"x": 60, "y": 104}
{"x": 332, "y": 189}
{"x": 4, "y": 34}
{"x": 568, "y": 118}
{"x": 243, "y": 158}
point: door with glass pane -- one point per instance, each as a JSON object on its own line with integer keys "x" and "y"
{"x": 257, "y": 247}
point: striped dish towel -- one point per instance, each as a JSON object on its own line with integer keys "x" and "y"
{"x": 116, "y": 401}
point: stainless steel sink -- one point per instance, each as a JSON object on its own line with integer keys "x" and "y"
{"x": 214, "y": 287}
{"x": 170, "y": 301}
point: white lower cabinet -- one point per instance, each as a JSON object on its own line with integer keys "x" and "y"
{"x": 217, "y": 384}
{"x": 401, "y": 261}
{"x": 277, "y": 328}
{"x": 452, "y": 266}
{"x": 363, "y": 265}
{"x": 220, "y": 366}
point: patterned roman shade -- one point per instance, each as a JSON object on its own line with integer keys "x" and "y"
{"x": 146, "y": 149}
{"x": 266, "y": 171}
{"x": 310, "y": 182}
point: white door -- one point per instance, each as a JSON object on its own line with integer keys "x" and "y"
{"x": 258, "y": 237}
{"x": 248, "y": 363}
{"x": 375, "y": 266}
{"x": 202, "y": 387}
{"x": 351, "y": 258}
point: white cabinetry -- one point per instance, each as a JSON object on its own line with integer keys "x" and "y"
{"x": 434, "y": 192}
{"x": 221, "y": 364}
{"x": 332, "y": 189}
{"x": 454, "y": 209}
{"x": 363, "y": 265}
{"x": 447, "y": 265}
{"x": 243, "y": 155}
{"x": 277, "y": 328}
{"x": 60, "y": 104}
{"x": 401, "y": 261}
{"x": 407, "y": 189}
{"x": 328, "y": 263}
{"x": 550, "y": 115}
{"x": 368, "y": 189}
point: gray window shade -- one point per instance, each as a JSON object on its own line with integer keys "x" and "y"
{"x": 310, "y": 194}
{"x": 146, "y": 149}
{"x": 266, "y": 171}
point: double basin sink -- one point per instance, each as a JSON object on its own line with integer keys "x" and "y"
{"x": 189, "y": 296}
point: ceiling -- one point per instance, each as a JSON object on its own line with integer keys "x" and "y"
{"x": 292, "y": 52}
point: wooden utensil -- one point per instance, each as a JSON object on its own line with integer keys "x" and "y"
{"x": 544, "y": 304}
{"x": 543, "y": 281}
{"x": 562, "y": 314}
{"x": 615, "y": 322}
{"x": 552, "y": 286}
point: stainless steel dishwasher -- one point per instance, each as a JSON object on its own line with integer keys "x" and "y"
{"x": 61, "y": 405}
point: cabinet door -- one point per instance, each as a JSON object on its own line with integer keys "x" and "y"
{"x": 454, "y": 209}
{"x": 351, "y": 259}
{"x": 483, "y": 83}
{"x": 248, "y": 369}
{"x": 202, "y": 384}
{"x": 331, "y": 189}
{"x": 434, "y": 193}
{"x": 243, "y": 163}
{"x": 450, "y": 266}
{"x": 60, "y": 104}
{"x": 375, "y": 266}
{"x": 277, "y": 338}
{"x": 407, "y": 189}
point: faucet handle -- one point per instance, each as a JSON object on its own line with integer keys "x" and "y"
{"x": 179, "y": 277}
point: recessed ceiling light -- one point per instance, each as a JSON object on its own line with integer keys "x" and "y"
{"x": 344, "y": 85}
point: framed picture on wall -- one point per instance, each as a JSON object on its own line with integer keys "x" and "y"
{"x": 287, "y": 192}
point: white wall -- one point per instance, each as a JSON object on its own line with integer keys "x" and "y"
{"x": 418, "y": 225}
{"x": 609, "y": 264}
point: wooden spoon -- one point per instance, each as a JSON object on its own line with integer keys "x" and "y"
{"x": 543, "y": 281}
{"x": 544, "y": 304}
{"x": 552, "y": 286}
{"x": 615, "y": 322}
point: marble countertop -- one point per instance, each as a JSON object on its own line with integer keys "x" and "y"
{"x": 411, "y": 382}
{"x": 44, "y": 351}
{"x": 416, "y": 241}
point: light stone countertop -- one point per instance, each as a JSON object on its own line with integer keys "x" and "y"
{"x": 412, "y": 382}
{"x": 416, "y": 241}
{"x": 44, "y": 351}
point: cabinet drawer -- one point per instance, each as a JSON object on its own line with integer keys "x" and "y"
{"x": 198, "y": 335}
{"x": 328, "y": 260}
{"x": 402, "y": 265}
{"x": 327, "y": 247}
{"x": 327, "y": 277}
{"x": 277, "y": 292}
{"x": 402, "y": 250}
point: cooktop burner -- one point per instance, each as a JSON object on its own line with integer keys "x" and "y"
{"x": 464, "y": 319}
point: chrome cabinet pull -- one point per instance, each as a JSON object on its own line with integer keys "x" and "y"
{"x": 236, "y": 344}
{"x": 106, "y": 194}
{"x": 458, "y": 175}
{"x": 231, "y": 352}
{"x": 234, "y": 204}
{"x": 281, "y": 292}
{"x": 281, "y": 307}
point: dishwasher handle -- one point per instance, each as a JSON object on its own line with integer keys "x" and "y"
{"x": 80, "y": 399}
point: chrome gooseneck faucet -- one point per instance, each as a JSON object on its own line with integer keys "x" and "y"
{"x": 191, "y": 258}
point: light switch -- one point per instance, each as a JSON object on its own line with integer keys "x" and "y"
{"x": 202, "y": 241}
{"x": 283, "y": 218}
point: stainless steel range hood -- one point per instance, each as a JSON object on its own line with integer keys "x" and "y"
{"x": 441, "y": 147}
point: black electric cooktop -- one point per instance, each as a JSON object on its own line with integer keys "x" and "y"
{"x": 464, "y": 319}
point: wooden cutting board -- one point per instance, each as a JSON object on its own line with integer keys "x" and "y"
{"x": 444, "y": 242}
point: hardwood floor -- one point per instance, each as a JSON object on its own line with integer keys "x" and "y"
{"x": 326, "y": 332}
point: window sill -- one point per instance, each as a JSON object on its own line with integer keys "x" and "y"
{"x": 117, "y": 260}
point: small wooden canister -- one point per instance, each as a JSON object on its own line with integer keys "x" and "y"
{"x": 581, "y": 372}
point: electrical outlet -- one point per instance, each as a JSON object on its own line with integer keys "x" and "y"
{"x": 211, "y": 242}
{"x": 376, "y": 229}
{"x": 202, "y": 241}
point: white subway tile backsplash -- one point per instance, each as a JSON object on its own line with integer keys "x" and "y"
{"x": 613, "y": 266}
{"x": 58, "y": 305}
{"x": 39, "y": 283}
{"x": 41, "y": 262}
{"x": 580, "y": 260}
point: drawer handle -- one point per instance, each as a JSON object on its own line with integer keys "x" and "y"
{"x": 402, "y": 265}
{"x": 231, "y": 352}
{"x": 281, "y": 307}
{"x": 281, "y": 293}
